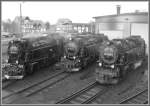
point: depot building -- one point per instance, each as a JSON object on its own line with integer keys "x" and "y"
{"x": 123, "y": 25}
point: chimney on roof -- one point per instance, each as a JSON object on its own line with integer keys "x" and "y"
{"x": 118, "y": 9}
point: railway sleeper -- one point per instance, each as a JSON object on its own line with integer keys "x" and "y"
{"x": 141, "y": 98}
{"x": 97, "y": 101}
{"x": 74, "y": 102}
{"x": 137, "y": 101}
{"x": 81, "y": 98}
{"x": 145, "y": 94}
{"x": 87, "y": 95}
{"x": 91, "y": 93}
{"x": 95, "y": 89}
{"x": 84, "y": 96}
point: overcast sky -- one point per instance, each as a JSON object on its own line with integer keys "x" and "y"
{"x": 76, "y": 11}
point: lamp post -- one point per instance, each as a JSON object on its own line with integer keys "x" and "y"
{"x": 21, "y": 18}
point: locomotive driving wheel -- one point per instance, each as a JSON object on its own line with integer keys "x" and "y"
{"x": 24, "y": 71}
{"x": 29, "y": 69}
{"x": 123, "y": 70}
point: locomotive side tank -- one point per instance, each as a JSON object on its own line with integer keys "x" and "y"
{"x": 30, "y": 53}
{"x": 117, "y": 56}
{"x": 81, "y": 50}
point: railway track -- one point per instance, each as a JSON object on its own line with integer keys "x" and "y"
{"x": 140, "y": 98}
{"x": 85, "y": 95}
{"x": 139, "y": 95}
{"x": 25, "y": 81}
{"x": 40, "y": 86}
{"x": 6, "y": 83}
{"x": 34, "y": 88}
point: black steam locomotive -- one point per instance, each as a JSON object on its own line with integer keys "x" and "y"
{"x": 117, "y": 57}
{"x": 32, "y": 52}
{"x": 81, "y": 50}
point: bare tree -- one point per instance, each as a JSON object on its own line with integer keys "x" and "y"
{"x": 47, "y": 25}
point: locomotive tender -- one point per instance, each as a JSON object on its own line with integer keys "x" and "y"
{"x": 117, "y": 56}
{"x": 32, "y": 52}
{"x": 81, "y": 50}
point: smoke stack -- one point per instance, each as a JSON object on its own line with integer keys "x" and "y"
{"x": 118, "y": 9}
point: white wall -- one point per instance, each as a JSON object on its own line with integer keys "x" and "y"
{"x": 142, "y": 30}
{"x": 112, "y": 30}
{"x": 113, "y": 34}
{"x": 122, "y": 30}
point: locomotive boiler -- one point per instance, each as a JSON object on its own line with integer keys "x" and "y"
{"x": 30, "y": 53}
{"x": 117, "y": 56}
{"x": 81, "y": 50}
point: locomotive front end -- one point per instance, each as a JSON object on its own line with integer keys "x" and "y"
{"x": 71, "y": 59}
{"x": 107, "y": 71}
{"x": 72, "y": 65}
{"x": 12, "y": 69}
{"x": 107, "y": 75}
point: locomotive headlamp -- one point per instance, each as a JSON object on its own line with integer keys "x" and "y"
{"x": 70, "y": 38}
{"x": 112, "y": 66}
{"x": 17, "y": 61}
{"x": 74, "y": 57}
{"x": 6, "y": 60}
{"x": 100, "y": 64}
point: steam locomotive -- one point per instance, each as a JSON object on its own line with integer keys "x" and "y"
{"x": 30, "y": 53}
{"x": 81, "y": 50}
{"x": 117, "y": 56}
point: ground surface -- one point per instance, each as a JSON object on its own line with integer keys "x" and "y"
{"x": 74, "y": 83}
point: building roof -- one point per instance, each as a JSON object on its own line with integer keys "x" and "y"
{"x": 63, "y": 21}
{"x": 77, "y": 24}
{"x": 138, "y": 17}
{"x": 124, "y": 14}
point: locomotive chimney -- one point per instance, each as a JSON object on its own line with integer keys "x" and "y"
{"x": 118, "y": 9}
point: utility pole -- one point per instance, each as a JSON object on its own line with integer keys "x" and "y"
{"x": 20, "y": 20}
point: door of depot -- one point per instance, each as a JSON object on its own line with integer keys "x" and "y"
{"x": 142, "y": 30}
